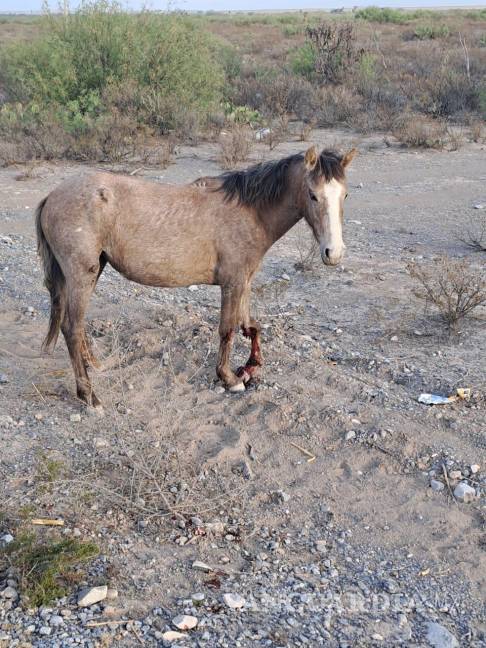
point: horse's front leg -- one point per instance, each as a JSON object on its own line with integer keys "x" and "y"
{"x": 254, "y": 363}
{"x": 232, "y": 299}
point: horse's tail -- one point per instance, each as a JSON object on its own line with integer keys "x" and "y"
{"x": 54, "y": 281}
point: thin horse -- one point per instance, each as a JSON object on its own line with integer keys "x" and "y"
{"x": 213, "y": 231}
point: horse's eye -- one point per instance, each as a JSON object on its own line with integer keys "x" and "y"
{"x": 312, "y": 195}
{"x": 345, "y": 196}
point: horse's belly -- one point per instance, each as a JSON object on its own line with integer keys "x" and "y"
{"x": 172, "y": 271}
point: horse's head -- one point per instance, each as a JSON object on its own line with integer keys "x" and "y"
{"x": 324, "y": 195}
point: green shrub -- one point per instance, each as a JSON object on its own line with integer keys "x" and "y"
{"x": 303, "y": 61}
{"x": 101, "y": 65}
{"x": 429, "y": 32}
{"x": 388, "y": 15}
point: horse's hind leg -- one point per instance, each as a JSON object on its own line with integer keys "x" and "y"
{"x": 254, "y": 363}
{"x": 88, "y": 355}
{"x": 78, "y": 291}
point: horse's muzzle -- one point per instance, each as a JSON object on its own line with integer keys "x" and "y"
{"x": 332, "y": 256}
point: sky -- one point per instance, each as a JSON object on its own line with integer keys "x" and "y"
{"x": 248, "y": 5}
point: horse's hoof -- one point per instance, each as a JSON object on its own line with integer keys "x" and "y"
{"x": 239, "y": 387}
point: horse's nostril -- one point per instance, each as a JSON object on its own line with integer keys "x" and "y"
{"x": 328, "y": 251}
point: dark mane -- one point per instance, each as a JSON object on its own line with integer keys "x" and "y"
{"x": 264, "y": 184}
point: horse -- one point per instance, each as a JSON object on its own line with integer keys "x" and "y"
{"x": 214, "y": 231}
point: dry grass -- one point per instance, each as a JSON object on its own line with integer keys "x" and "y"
{"x": 416, "y": 131}
{"x": 454, "y": 287}
{"x": 235, "y": 146}
{"x": 474, "y": 233}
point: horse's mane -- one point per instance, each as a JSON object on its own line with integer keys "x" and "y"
{"x": 264, "y": 184}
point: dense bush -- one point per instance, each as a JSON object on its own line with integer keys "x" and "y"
{"x": 102, "y": 68}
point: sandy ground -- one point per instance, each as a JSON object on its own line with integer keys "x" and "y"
{"x": 346, "y": 349}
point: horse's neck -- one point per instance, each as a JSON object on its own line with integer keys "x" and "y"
{"x": 277, "y": 220}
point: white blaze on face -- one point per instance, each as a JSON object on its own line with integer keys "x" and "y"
{"x": 332, "y": 245}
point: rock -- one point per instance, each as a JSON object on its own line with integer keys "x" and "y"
{"x": 100, "y": 442}
{"x": 464, "y": 493}
{"x": 234, "y": 601}
{"x": 479, "y": 206}
{"x": 394, "y": 338}
{"x": 185, "y": 622}
{"x": 349, "y": 436}
{"x": 455, "y": 474}
{"x": 281, "y": 496}
{"x": 10, "y": 593}
{"x": 6, "y": 539}
{"x": 436, "y": 485}
{"x": 219, "y": 390}
{"x": 216, "y": 527}
{"x": 193, "y": 288}
{"x": 44, "y": 630}
{"x": 198, "y": 598}
{"x": 75, "y": 418}
{"x": 321, "y": 546}
{"x": 475, "y": 468}
{"x": 440, "y": 637}
{"x": 173, "y": 635}
{"x": 200, "y": 566}
{"x": 285, "y": 277}
{"x": 56, "y": 620}
{"x": 92, "y": 595}
{"x": 3, "y": 379}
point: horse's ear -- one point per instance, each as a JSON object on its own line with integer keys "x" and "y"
{"x": 348, "y": 157}
{"x": 310, "y": 158}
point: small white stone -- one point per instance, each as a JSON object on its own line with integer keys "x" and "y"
{"x": 394, "y": 338}
{"x": 75, "y": 418}
{"x": 350, "y": 435}
{"x": 475, "y": 468}
{"x": 184, "y": 622}
{"x": 173, "y": 635}
{"x": 45, "y": 630}
{"x": 455, "y": 474}
{"x": 464, "y": 492}
{"x": 219, "y": 390}
{"x": 56, "y": 620}
{"x": 479, "y": 206}
{"x": 193, "y": 288}
{"x": 285, "y": 277}
{"x": 7, "y": 539}
{"x": 234, "y": 601}
{"x": 200, "y": 566}
{"x": 10, "y": 593}
{"x": 92, "y": 595}
{"x": 321, "y": 546}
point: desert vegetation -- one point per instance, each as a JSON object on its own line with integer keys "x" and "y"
{"x": 145, "y": 76}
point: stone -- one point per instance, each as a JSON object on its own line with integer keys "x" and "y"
{"x": 75, "y": 418}
{"x": 200, "y": 566}
{"x": 7, "y": 539}
{"x": 92, "y": 595}
{"x": 233, "y": 601}
{"x": 349, "y": 436}
{"x": 455, "y": 474}
{"x": 184, "y": 621}
{"x": 475, "y": 468}
{"x": 281, "y": 496}
{"x": 3, "y": 379}
{"x": 198, "y": 598}
{"x": 219, "y": 390}
{"x": 321, "y": 546}
{"x": 464, "y": 492}
{"x": 112, "y": 593}
{"x": 216, "y": 527}
{"x": 440, "y": 637}
{"x": 436, "y": 485}
{"x": 44, "y": 630}
{"x": 285, "y": 277}
{"x": 100, "y": 442}
{"x": 479, "y": 206}
{"x": 193, "y": 288}
{"x": 56, "y": 620}
{"x": 10, "y": 593}
{"x": 173, "y": 635}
